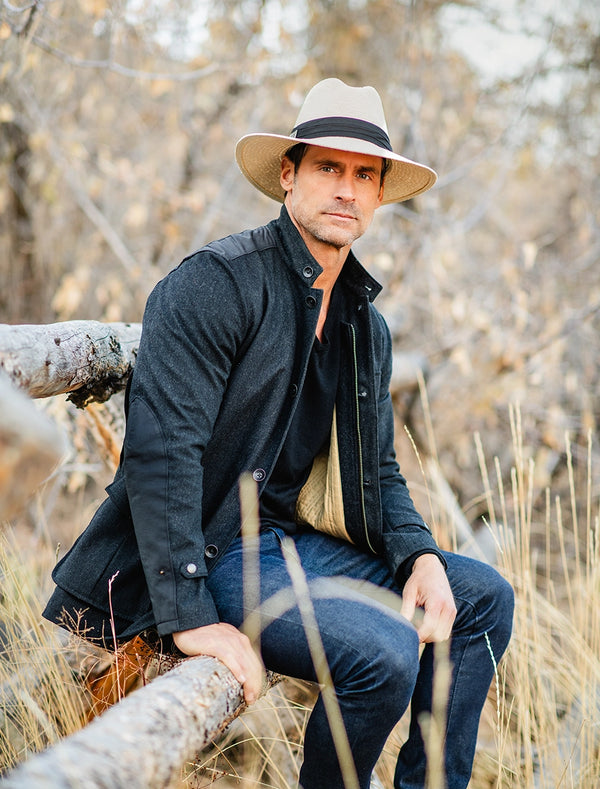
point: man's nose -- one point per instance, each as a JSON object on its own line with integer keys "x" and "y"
{"x": 345, "y": 188}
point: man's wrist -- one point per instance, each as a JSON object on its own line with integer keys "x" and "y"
{"x": 425, "y": 558}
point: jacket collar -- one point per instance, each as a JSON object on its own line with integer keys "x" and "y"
{"x": 299, "y": 259}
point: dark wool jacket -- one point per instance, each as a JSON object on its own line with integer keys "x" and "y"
{"x": 224, "y": 349}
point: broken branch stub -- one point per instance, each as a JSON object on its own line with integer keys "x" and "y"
{"x": 88, "y": 359}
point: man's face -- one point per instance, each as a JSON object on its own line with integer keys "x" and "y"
{"x": 332, "y": 195}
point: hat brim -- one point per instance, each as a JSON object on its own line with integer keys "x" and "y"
{"x": 259, "y": 158}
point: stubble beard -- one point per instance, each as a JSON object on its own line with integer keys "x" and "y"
{"x": 337, "y": 238}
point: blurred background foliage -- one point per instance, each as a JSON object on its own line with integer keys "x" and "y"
{"x": 118, "y": 120}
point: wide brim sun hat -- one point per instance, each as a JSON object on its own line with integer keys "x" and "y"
{"x": 338, "y": 116}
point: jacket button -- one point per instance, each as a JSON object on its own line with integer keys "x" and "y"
{"x": 362, "y": 393}
{"x": 191, "y": 568}
{"x": 211, "y": 551}
{"x": 311, "y": 302}
{"x": 294, "y": 390}
{"x": 308, "y": 271}
{"x": 258, "y": 474}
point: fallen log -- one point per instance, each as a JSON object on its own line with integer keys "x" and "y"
{"x": 30, "y": 446}
{"x": 143, "y": 741}
{"x": 88, "y": 359}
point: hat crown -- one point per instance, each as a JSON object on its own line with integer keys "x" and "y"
{"x": 333, "y": 98}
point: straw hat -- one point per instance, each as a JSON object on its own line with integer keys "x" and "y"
{"x": 334, "y": 115}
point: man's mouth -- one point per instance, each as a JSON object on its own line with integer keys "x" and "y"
{"x": 340, "y": 215}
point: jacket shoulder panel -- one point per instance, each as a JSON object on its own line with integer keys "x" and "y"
{"x": 239, "y": 245}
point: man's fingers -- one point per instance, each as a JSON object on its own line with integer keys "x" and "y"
{"x": 245, "y": 665}
{"x": 231, "y": 647}
{"x": 251, "y": 675}
{"x": 428, "y": 630}
{"x": 409, "y": 605}
{"x": 436, "y": 625}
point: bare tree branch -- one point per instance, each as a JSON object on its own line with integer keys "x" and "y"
{"x": 117, "y": 68}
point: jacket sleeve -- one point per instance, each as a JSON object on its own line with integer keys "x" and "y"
{"x": 192, "y": 326}
{"x": 405, "y": 534}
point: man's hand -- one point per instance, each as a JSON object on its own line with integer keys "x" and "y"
{"x": 428, "y": 587}
{"x": 231, "y": 647}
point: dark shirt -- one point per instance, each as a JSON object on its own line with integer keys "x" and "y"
{"x": 311, "y": 425}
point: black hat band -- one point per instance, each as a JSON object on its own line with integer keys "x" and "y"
{"x": 343, "y": 127}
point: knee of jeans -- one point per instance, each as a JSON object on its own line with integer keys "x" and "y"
{"x": 398, "y": 661}
{"x": 500, "y": 611}
{"x": 387, "y": 662}
{"x": 505, "y": 596}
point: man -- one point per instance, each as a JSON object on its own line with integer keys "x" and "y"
{"x": 263, "y": 352}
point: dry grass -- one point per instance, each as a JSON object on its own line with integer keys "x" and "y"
{"x": 41, "y": 701}
{"x": 549, "y": 701}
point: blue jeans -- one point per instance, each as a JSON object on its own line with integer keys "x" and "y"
{"x": 373, "y": 654}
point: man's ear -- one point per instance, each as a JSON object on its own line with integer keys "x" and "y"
{"x": 286, "y": 178}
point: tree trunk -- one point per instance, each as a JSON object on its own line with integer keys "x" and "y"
{"x": 143, "y": 741}
{"x": 30, "y": 446}
{"x": 91, "y": 360}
